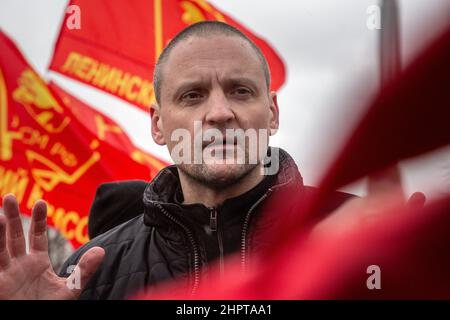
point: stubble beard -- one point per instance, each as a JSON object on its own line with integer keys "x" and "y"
{"x": 217, "y": 178}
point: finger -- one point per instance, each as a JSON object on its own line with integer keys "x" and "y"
{"x": 4, "y": 255}
{"x": 86, "y": 267}
{"x": 38, "y": 228}
{"x": 417, "y": 200}
{"x": 14, "y": 231}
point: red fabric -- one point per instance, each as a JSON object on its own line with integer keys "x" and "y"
{"x": 408, "y": 117}
{"x": 411, "y": 246}
{"x": 107, "y": 130}
{"x": 49, "y": 151}
{"x": 129, "y": 36}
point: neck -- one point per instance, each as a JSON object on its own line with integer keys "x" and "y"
{"x": 196, "y": 192}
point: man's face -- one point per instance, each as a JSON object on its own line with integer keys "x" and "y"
{"x": 217, "y": 82}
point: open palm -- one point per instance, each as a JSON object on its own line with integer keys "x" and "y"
{"x": 30, "y": 275}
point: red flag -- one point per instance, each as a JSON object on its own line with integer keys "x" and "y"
{"x": 47, "y": 152}
{"x": 107, "y": 130}
{"x": 116, "y": 47}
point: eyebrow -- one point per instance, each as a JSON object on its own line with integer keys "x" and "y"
{"x": 242, "y": 79}
{"x": 192, "y": 84}
{"x": 188, "y": 84}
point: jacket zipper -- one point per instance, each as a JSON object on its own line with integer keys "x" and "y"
{"x": 245, "y": 228}
{"x": 196, "y": 250}
{"x": 214, "y": 226}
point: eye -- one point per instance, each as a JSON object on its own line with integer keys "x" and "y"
{"x": 191, "y": 96}
{"x": 241, "y": 92}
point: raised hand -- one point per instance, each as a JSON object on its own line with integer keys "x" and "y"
{"x": 30, "y": 275}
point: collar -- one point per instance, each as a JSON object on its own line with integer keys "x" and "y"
{"x": 165, "y": 192}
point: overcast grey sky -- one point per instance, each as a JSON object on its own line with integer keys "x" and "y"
{"x": 330, "y": 55}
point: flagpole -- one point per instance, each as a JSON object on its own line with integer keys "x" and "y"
{"x": 389, "y": 68}
{"x": 389, "y": 41}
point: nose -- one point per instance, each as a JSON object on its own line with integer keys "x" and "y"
{"x": 219, "y": 109}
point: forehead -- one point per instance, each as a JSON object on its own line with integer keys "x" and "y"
{"x": 205, "y": 56}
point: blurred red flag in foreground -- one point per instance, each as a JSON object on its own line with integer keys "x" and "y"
{"x": 410, "y": 246}
{"x": 117, "y": 45}
{"x": 60, "y": 154}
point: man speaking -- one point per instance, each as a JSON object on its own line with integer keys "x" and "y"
{"x": 215, "y": 113}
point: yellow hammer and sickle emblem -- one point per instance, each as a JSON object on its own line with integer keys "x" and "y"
{"x": 191, "y": 15}
{"x": 49, "y": 178}
{"x": 6, "y": 136}
{"x": 144, "y": 158}
{"x": 39, "y": 102}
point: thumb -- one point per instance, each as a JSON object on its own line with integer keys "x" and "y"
{"x": 86, "y": 267}
{"x": 416, "y": 200}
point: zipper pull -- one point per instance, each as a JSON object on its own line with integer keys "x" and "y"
{"x": 213, "y": 219}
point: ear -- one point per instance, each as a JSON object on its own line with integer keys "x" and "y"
{"x": 274, "y": 113}
{"x": 156, "y": 125}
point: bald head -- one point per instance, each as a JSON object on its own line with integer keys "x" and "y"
{"x": 204, "y": 29}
